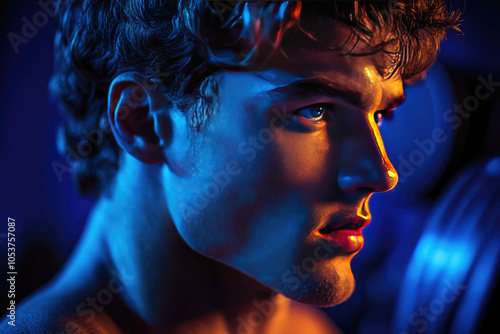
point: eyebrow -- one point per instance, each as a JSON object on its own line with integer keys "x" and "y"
{"x": 312, "y": 87}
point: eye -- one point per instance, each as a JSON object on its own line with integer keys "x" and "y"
{"x": 315, "y": 112}
{"x": 380, "y": 115}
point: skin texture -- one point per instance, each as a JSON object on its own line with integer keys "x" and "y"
{"x": 178, "y": 256}
{"x": 290, "y": 177}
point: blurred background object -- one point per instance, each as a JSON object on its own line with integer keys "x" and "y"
{"x": 453, "y": 271}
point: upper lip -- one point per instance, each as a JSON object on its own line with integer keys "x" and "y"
{"x": 346, "y": 223}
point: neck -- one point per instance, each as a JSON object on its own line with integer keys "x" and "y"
{"x": 169, "y": 286}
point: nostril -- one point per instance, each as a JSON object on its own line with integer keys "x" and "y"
{"x": 367, "y": 179}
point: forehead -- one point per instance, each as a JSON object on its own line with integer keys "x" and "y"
{"x": 320, "y": 39}
{"x": 322, "y": 34}
{"x": 317, "y": 51}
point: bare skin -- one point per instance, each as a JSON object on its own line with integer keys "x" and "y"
{"x": 226, "y": 265}
{"x": 194, "y": 305}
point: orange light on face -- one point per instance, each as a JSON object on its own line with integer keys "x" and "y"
{"x": 392, "y": 174}
{"x": 363, "y": 209}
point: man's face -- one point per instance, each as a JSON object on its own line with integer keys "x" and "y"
{"x": 277, "y": 182}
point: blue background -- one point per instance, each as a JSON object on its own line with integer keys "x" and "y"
{"x": 394, "y": 267}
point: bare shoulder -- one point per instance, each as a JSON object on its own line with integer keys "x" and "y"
{"x": 310, "y": 320}
{"x": 55, "y": 312}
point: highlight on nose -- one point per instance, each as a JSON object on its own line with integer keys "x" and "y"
{"x": 393, "y": 176}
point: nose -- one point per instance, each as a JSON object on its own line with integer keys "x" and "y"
{"x": 365, "y": 166}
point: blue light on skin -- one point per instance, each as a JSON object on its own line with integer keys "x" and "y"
{"x": 210, "y": 268}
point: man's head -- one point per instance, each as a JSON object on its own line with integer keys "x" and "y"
{"x": 263, "y": 115}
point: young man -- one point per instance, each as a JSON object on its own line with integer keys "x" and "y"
{"x": 232, "y": 149}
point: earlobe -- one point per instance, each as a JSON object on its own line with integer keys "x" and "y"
{"x": 132, "y": 111}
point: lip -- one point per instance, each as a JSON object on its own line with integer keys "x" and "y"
{"x": 349, "y": 241}
{"x": 346, "y": 234}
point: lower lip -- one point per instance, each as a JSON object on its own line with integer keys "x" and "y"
{"x": 348, "y": 240}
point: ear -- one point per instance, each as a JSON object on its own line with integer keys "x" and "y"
{"x": 135, "y": 115}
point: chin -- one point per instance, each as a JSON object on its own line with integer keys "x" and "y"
{"x": 325, "y": 288}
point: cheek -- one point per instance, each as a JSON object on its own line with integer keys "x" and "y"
{"x": 303, "y": 158}
{"x": 207, "y": 205}
{"x": 238, "y": 210}
{"x": 244, "y": 203}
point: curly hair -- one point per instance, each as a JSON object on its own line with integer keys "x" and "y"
{"x": 178, "y": 45}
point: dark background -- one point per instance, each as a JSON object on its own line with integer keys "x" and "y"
{"x": 50, "y": 215}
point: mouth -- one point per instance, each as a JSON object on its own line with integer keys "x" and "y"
{"x": 346, "y": 234}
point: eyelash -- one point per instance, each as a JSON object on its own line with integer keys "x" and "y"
{"x": 379, "y": 115}
{"x": 325, "y": 106}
